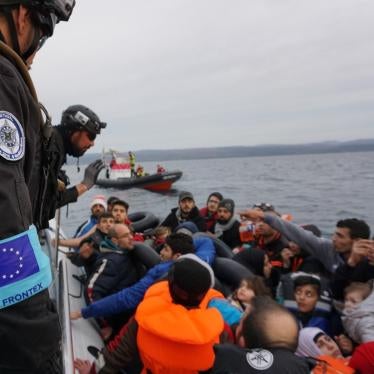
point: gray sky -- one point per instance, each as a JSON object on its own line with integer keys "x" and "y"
{"x": 203, "y": 73}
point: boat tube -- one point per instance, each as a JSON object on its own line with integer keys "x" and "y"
{"x": 141, "y": 221}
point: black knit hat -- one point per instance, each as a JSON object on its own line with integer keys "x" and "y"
{"x": 189, "y": 280}
{"x": 228, "y": 204}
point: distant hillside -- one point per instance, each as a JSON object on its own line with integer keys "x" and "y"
{"x": 361, "y": 145}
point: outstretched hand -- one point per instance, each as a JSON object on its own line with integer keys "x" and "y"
{"x": 75, "y": 315}
{"x": 91, "y": 172}
{"x": 83, "y": 366}
{"x": 253, "y": 214}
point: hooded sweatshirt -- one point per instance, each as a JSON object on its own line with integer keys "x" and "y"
{"x": 359, "y": 321}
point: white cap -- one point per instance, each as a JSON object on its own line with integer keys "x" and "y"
{"x": 99, "y": 199}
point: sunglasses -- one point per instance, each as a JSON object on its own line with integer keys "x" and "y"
{"x": 91, "y": 136}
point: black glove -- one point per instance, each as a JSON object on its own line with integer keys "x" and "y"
{"x": 91, "y": 172}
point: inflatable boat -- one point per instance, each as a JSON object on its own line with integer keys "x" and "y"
{"x": 121, "y": 174}
{"x": 67, "y": 291}
{"x": 158, "y": 182}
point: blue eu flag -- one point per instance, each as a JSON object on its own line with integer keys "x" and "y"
{"x": 17, "y": 260}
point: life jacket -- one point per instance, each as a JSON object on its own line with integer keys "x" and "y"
{"x": 332, "y": 365}
{"x": 173, "y": 339}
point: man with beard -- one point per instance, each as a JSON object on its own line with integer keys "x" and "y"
{"x": 186, "y": 211}
{"x": 74, "y": 136}
{"x": 98, "y": 207}
{"x": 29, "y": 326}
{"x": 227, "y": 226}
{"x": 209, "y": 212}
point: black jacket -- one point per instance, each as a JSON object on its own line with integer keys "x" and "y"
{"x": 234, "y": 360}
{"x": 232, "y": 236}
{"x": 114, "y": 270}
{"x": 194, "y": 216}
{"x": 22, "y": 345}
{"x": 58, "y": 197}
{"x": 345, "y": 274}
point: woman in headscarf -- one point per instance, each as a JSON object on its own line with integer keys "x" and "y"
{"x": 315, "y": 343}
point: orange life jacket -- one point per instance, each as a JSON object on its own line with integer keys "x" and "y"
{"x": 172, "y": 339}
{"x": 332, "y": 365}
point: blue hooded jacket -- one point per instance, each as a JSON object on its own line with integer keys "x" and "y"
{"x": 130, "y": 297}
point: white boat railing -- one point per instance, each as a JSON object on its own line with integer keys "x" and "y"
{"x": 63, "y": 305}
{"x": 67, "y": 291}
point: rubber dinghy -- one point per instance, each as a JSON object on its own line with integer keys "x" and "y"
{"x": 155, "y": 182}
{"x": 121, "y": 174}
{"x": 67, "y": 291}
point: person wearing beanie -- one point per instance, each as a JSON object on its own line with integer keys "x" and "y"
{"x": 188, "y": 228}
{"x": 186, "y": 211}
{"x": 227, "y": 225}
{"x": 97, "y": 206}
{"x": 209, "y": 212}
{"x": 128, "y": 299}
{"x": 173, "y": 331}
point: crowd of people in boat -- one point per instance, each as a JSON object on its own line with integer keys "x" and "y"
{"x": 303, "y": 304}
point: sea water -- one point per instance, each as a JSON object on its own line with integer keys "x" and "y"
{"x": 318, "y": 189}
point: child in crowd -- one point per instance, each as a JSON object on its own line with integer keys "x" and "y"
{"x": 313, "y": 342}
{"x": 249, "y": 288}
{"x": 97, "y": 233}
{"x": 358, "y": 313}
{"x": 307, "y": 290}
{"x": 157, "y": 237}
{"x": 86, "y": 256}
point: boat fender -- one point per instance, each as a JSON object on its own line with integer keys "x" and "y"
{"x": 285, "y": 293}
{"x": 222, "y": 249}
{"x": 143, "y": 220}
{"x": 230, "y": 272}
{"x": 146, "y": 255}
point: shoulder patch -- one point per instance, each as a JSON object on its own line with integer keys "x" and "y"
{"x": 260, "y": 359}
{"x": 12, "y": 137}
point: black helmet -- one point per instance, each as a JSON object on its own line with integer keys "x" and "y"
{"x": 79, "y": 117}
{"x": 47, "y": 12}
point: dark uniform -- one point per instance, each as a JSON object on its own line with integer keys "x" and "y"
{"x": 75, "y": 118}
{"x": 174, "y": 218}
{"x": 29, "y": 329}
{"x": 234, "y": 360}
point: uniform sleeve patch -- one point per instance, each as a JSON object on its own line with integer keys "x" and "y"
{"x": 12, "y": 137}
{"x": 260, "y": 359}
